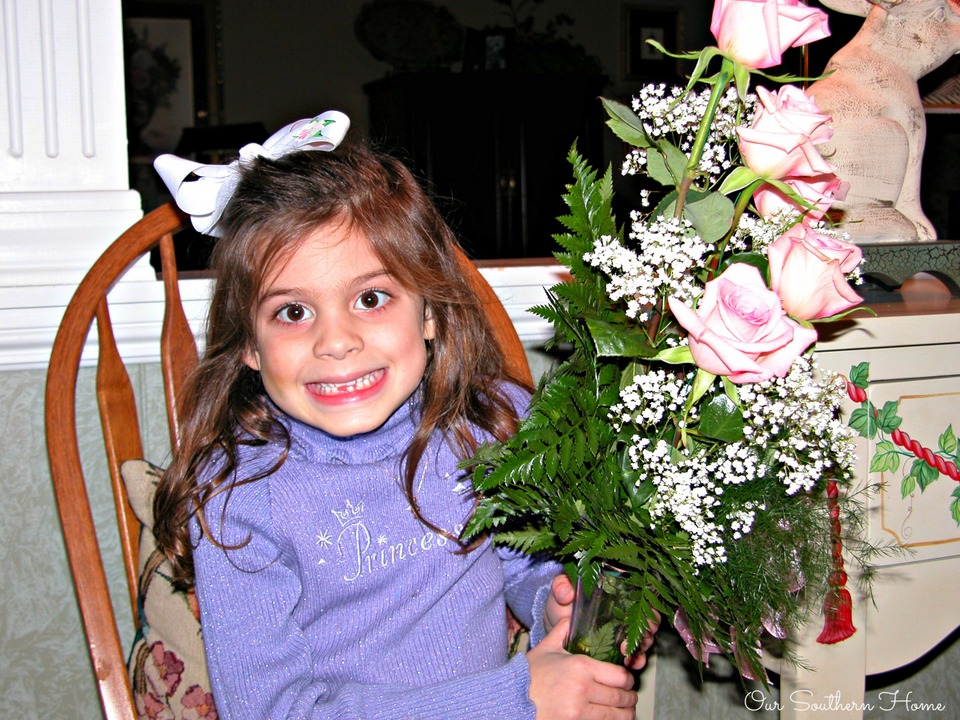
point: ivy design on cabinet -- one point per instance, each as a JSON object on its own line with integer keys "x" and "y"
{"x": 894, "y": 448}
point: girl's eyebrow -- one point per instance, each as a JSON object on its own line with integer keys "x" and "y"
{"x": 363, "y": 279}
{"x": 372, "y": 275}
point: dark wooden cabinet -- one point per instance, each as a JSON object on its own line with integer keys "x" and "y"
{"x": 492, "y": 149}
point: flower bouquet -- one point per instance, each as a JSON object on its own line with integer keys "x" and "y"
{"x": 689, "y": 438}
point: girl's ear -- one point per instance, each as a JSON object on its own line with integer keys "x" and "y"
{"x": 429, "y": 326}
{"x": 251, "y": 358}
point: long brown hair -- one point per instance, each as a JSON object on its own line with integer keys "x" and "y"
{"x": 275, "y": 206}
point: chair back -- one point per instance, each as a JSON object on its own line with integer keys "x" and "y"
{"x": 88, "y": 308}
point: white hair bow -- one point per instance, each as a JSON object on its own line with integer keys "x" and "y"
{"x": 206, "y": 197}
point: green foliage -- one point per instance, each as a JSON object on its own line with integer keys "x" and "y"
{"x": 566, "y": 456}
{"x": 711, "y": 215}
{"x": 625, "y": 124}
{"x": 613, "y": 340}
{"x": 721, "y": 419}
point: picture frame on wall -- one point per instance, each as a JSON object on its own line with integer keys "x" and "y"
{"x": 172, "y": 72}
{"x": 641, "y": 61}
{"x": 488, "y": 50}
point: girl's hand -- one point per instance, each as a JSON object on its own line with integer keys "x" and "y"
{"x": 560, "y": 603}
{"x": 638, "y": 660}
{"x": 560, "y": 607}
{"x": 577, "y": 687}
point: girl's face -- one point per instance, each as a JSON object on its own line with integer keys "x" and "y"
{"x": 339, "y": 342}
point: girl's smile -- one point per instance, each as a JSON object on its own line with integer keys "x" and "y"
{"x": 340, "y": 343}
{"x": 348, "y": 391}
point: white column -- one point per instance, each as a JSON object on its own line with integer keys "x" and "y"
{"x": 64, "y": 193}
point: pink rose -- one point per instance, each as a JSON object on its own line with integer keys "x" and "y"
{"x": 821, "y": 191}
{"x": 740, "y": 330}
{"x": 808, "y": 271}
{"x": 755, "y": 33}
{"x": 786, "y": 128}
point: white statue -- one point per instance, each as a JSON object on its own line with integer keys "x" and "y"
{"x": 880, "y": 129}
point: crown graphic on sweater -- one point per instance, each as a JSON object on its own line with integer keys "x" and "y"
{"x": 349, "y": 513}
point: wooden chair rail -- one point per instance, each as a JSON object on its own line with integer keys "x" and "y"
{"x": 122, "y": 439}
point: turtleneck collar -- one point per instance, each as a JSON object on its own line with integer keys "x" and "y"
{"x": 389, "y": 440}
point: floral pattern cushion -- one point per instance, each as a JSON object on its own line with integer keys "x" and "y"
{"x": 168, "y": 670}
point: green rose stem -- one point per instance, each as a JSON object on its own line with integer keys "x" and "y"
{"x": 655, "y": 325}
{"x": 720, "y": 83}
{"x": 743, "y": 199}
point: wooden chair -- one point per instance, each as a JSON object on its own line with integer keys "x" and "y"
{"x": 118, "y": 414}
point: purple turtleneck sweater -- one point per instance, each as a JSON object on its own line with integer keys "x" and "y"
{"x": 344, "y": 605}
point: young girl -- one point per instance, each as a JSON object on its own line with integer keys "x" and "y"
{"x": 315, "y": 501}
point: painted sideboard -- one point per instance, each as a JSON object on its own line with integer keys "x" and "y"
{"x": 914, "y": 353}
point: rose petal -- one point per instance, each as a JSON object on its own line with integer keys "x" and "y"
{"x": 821, "y": 191}
{"x": 703, "y": 341}
{"x": 781, "y": 141}
{"x": 778, "y": 362}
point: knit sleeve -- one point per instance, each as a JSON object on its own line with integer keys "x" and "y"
{"x": 527, "y": 585}
{"x": 260, "y": 659}
{"x": 527, "y": 579}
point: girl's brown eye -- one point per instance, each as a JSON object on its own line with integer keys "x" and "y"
{"x": 293, "y": 313}
{"x": 371, "y": 299}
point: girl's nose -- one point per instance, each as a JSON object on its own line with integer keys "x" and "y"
{"x": 336, "y": 338}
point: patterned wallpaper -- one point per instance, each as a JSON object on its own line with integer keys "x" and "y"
{"x": 44, "y": 670}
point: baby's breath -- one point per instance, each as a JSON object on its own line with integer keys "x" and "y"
{"x": 668, "y": 250}
{"x": 755, "y": 233}
{"x": 649, "y": 399}
{"x": 670, "y": 112}
{"x": 793, "y": 437}
{"x": 689, "y": 492}
{"x": 796, "y": 420}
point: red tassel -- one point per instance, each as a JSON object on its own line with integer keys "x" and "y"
{"x": 838, "y": 617}
{"x": 837, "y": 605}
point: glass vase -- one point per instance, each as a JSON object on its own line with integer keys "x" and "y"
{"x": 598, "y": 624}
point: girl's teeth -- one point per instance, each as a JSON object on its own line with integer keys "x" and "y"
{"x": 349, "y": 387}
